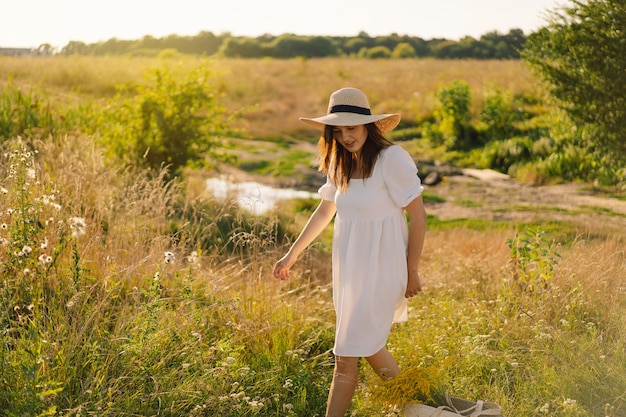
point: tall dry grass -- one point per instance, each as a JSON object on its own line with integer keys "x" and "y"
{"x": 272, "y": 93}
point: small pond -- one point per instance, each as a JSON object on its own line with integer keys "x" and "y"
{"x": 252, "y": 196}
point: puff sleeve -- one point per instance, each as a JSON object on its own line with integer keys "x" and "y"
{"x": 400, "y": 175}
{"x": 328, "y": 190}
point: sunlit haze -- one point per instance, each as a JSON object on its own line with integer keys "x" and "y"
{"x": 30, "y": 23}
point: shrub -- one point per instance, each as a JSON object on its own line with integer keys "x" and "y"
{"x": 169, "y": 122}
{"x": 454, "y": 116}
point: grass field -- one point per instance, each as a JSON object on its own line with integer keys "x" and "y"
{"x": 125, "y": 295}
{"x": 274, "y": 93}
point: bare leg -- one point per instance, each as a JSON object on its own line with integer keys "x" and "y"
{"x": 343, "y": 385}
{"x": 384, "y": 364}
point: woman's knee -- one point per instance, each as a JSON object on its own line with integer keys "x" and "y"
{"x": 384, "y": 364}
{"x": 346, "y": 366}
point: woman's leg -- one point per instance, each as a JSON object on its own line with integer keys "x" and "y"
{"x": 384, "y": 364}
{"x": 343, "y": 385}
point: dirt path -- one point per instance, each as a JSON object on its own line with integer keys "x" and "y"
{"x": 488, "y": 195}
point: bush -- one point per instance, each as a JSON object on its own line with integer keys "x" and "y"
{"x": 499, "y": 114}
{"x": 454, "y": 117}
{"x": 169, "y": 122}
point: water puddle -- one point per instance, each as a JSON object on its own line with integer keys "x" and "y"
{"x": 252, "y": 196}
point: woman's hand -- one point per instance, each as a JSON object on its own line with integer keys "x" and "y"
{"x": 320, "y": 218}
{"x": 282, "y": 267}
{"x": 414, "y": 284}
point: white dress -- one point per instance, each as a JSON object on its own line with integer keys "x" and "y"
{"x": 369, "y": 252}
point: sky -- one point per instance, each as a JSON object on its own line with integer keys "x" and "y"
{"x": 30, "y": 23}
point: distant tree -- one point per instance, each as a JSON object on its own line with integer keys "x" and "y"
{"x": 206, "y": 43}
{"x": 114, "y": 46}
{"x": 376, "y": 52}
{"x": 149, "y": 42}
{"x": 516, "y": 41}
{"x": 353, "y": 45}
{"x": 581, "y": 54}
{"x": 403, "y": 50}
{"x": 75, "y": 48}
{"x": 419, "y": 45}
{"x": 240, "y": 48}
{"x": 389, "y": 41}
{"x": 289, "y": 46}
{"x": 454, "y": 49}
{"x": 45, "y": 49}
{"x": 323, "y": 46}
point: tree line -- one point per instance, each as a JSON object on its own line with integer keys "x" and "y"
{"x": 492, "y": 45}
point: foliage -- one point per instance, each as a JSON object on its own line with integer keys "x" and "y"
{"x": 533, "y": 258}
{"x": 580, "y": 54}
{"x": 168, "y": 122}
{"x": 454, "y": 117}
{"x": 377, "y": 52}
{"x": 492, "y": 45}
{"x": 403, "y": 50}
{"x": 499, "y": 114}
{"x": 32, "y": 112}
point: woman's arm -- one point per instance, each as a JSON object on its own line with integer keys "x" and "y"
{"x": 417, "y": 232}
{"x": 318, "y": 221}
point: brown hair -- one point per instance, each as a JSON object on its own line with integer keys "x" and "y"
{"x": 337, "y": 162}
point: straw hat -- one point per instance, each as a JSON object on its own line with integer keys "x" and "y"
{"x": 349, "y": 107}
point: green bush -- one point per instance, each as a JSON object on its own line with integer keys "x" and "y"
{"x": 454, "y": 116}
{"x": 499, "y": 114}
{"x": 168, "y": 122}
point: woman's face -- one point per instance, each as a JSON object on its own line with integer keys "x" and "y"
{"x": 351, "y": 137}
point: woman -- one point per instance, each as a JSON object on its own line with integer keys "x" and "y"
{"x": 371, "y": 184}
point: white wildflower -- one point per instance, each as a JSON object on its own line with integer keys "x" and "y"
{"x": 78, "y": 226}
{"x": 27, "y": 250}
{"x": 4, "y": 190}
{"x": 44, "y": 259}
{"x": 255, "y": 403}
{"x": 193, "y": 257}
{"x": 569, "y": 403}
{"x": 169, "y": 257}
{"x": 4, "y": 226}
